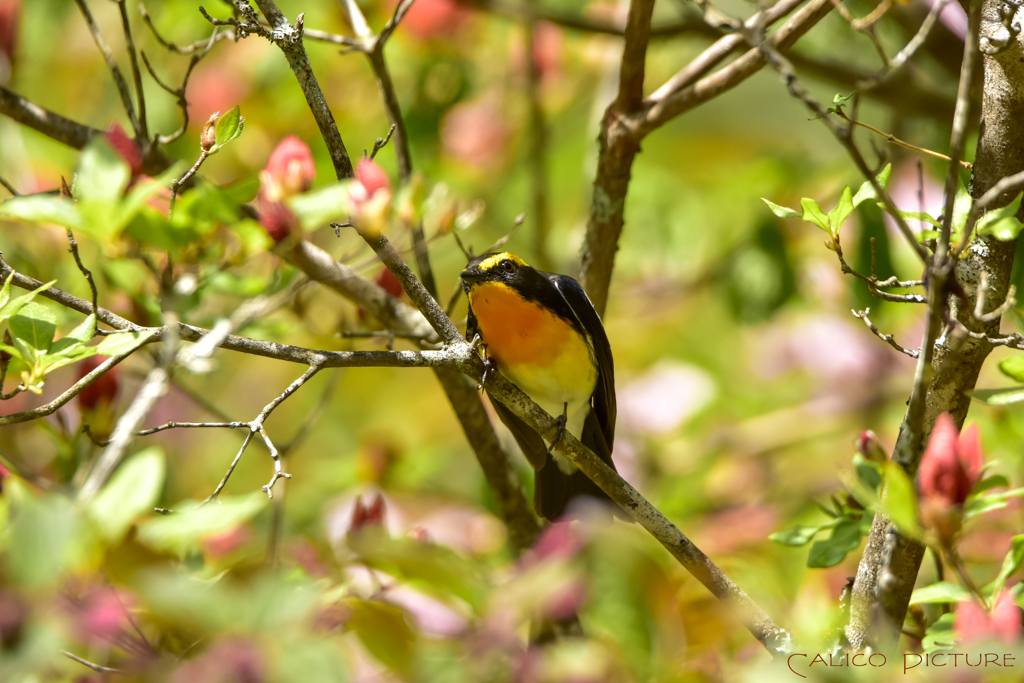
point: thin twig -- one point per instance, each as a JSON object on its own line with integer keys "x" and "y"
{"x": 378, "y": 145}
{"x": 198, "y": 45}
{"x": 904, "y": 55}
{"x": 256, "y": 427}
{"x": 140, "y": 96}
{"x": 88, "y": 277}
{"x": 902, "y": 143}
{"x": 95, "y": 667}
{"x": 979, "y": 302}
{"x": 887, "y": 338}
{"x": 8, "y": 186}
{"x": 115, "y": 71}
{"x": 204, "y": 153}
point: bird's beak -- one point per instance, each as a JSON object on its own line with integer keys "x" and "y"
{"x": 472, "y": 275}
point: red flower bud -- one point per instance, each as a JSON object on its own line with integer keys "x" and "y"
{"x": 974, "y": 623}
{"x": 387, "y": 281}
{"x": 125, "y": 147}
{"x": 276, "y": 218}
{"x": 368, "y": 515}
{"x": 9, "y": 11}
{"x": 290, "y": 169}
{"x": 104, "y": 390}
{"x": 372, "y": 177}
{"x": 952, "y": 462}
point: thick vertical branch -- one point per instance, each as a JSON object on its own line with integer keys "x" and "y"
{"x": 618, "y": 147}
{"x": 889, "y": 567}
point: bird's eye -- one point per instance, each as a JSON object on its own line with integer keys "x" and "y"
{"x": 508, "y": 267}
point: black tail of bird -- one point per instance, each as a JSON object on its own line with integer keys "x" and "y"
{"x": 554, "y": 489}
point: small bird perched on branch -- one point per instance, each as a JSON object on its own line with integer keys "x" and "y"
{"x": 542, "y": 333}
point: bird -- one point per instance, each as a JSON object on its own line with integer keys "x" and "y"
{"x": 541, "y": 332}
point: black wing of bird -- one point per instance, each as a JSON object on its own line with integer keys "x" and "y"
{"x": 604, "y": 393}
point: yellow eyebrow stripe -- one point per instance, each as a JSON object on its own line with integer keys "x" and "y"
{"x": 493, "y": 261}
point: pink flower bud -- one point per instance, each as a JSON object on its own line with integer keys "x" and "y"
{"x": 869, "y": 446}
{"x": 104, "y": 390}
{"x": 372, "y": 177}
{"x": 276, "y": 218}
{"x": 952, "y": 462}
{"x": 974, "y": 623}
{"x": 290, "y": 169}
{"x": 126, "y": 148}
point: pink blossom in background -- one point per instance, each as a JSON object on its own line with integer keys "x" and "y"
{"x": 953, "y": 17}
{"x": 473, "y": 133}
{"x": 428, "y": 19}
{"x": 974, "y": 623}
{"x": 664, "y": 397}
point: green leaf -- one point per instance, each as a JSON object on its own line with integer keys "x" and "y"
{"x": 940, "y": 592}
{"x": 996, "y": 480}
{"x": 1011, "y": 564}
{"x": 133, "y": 490}
{"x": 781, "y": 211}
{"x": 253, "y": 237}
{"x": 961, "y": 207}
{"x": 940, "y": 634}
{"x": 239, "y": 285}
{"x": 5, "y": 292}
{"x": 181, "y": 531}
{"x": 433, "y": 568}
{"x": 1002, "y": 223}
{"x": 845, "y": 538}
{"x": 813, "y": 214}
{"x": 977, "y": 505}
{"x": 78, "y": 337}
{"x": 867, "y": 191}
{"x": 900, "y": 500}
{"x": 920, "y": 216}
{"x": 998, "y": 397}
{"x": 123, "y": 342}
{"x": 12, "y": 306}
{"x": 383, "y": 630}
{"x": 1013, "y": 367}
{"x": 228, "y": 127}
{"x": 317, "y": 208}
{"x": 842, "y": 211}
{"x": 34, "y": 324}
{"x": 46, "y": 536}
{"x": 40, "y": 208}
{"x": 798, "y": 535}
{"x": 102, "y": 175}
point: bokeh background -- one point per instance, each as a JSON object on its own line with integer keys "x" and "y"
{"x": 743, "y": 379}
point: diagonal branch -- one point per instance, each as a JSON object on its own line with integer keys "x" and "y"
{"x": 50, "y": 124}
